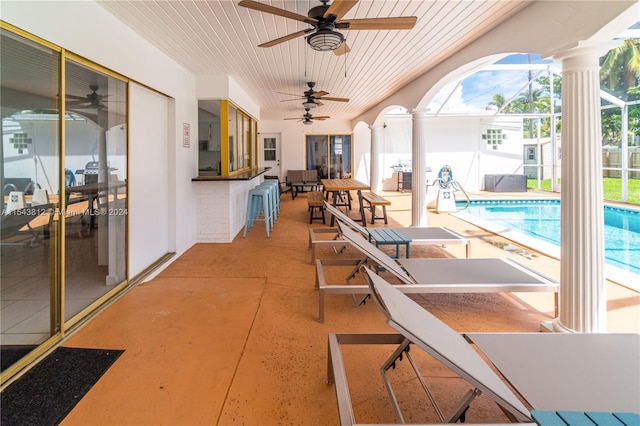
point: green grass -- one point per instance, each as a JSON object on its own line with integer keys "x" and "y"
{"x": 612, "y": 188}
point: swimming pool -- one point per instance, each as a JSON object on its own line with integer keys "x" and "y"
{"x": 541, "y": 219}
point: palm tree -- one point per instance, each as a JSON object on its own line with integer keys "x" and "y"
{"x": 620, "y": 68}
{"x": 498, "y": 100}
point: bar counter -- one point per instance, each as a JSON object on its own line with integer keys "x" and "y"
{"x": 221, "y": 204}
{"x": 247, "y": 175}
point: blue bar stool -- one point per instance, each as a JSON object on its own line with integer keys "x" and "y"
{"x": 258, "y": 203}
{"x": 276, "y": 195}
{"x": 273, "y": 199}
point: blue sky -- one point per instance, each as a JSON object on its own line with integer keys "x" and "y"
{"x": 477, "y": 90}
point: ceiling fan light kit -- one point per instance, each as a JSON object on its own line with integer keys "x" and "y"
{"x": 325, "y": 19}
{"x": 325, "y": 39}
{"x": 322, "y": 35}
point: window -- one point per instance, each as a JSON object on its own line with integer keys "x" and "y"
{"x": 218, "y": 121}
{"x": 270, "y": 149}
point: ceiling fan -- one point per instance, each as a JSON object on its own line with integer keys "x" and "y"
{"x": 90, "y": 100}
{"x": 307, "y": 118}
{"x": 312, "y": 98}
{"x": 324, "y": 21}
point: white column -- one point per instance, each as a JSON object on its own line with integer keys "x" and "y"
{"x": 419, "y": 176}
{"x": 375, "y": 179}
{"x": 582, "y": 290}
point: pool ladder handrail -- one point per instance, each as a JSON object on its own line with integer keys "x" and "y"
{"x": 455, "y": 186}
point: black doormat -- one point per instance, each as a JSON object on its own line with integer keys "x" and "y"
{"x": 10, "y": 354}
{"x": 50, "y": 390}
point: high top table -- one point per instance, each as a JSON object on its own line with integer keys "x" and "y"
{"x": 340, "y": 187}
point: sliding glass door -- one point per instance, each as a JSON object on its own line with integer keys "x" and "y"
{"x": 95, "y": 158}
{"x": 30, "y": 162}
{"x": 330, "y": 155}
{"x": 63, "y": 162}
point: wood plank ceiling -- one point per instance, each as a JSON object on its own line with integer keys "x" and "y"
{"x": 218, "y": 37}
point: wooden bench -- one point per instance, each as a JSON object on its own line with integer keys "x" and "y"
{"x": 370, "y": 200}
{"x": 315, "y": 200}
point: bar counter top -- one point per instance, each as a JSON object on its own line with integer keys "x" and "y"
{"x": 246, "y": 175}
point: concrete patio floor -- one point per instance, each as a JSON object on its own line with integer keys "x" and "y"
{"x": 227, "y": 334}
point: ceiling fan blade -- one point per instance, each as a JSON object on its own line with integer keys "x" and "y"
{"x": 322, "y": 117}
{"x": 80, "y": 98}
{"x": 250, "y": 4}
{"x": 336, "y": 99}
{"x": 317, "y": 102}
{"x": 399, "y": 23}
{"x": 290, "y": 94}
{"x": 343, "y": 49}
{"x": 339, "y": 8}
{"x": 288, "y": 100}
{"x": 320, "y": 94}
{"x": 285, "y": 38}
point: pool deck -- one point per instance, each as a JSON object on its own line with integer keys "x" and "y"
{"x": 228, "y": 334}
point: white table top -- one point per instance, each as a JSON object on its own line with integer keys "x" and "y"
{"x": 431, "y": 235}
{"x": 473, "y": 272}
{"x": 565, "y": 371}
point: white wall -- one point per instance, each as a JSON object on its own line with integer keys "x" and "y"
{"x": 150, "y": 210}
{"x": 453, "y": 141}
{"x": 115, "y": 46}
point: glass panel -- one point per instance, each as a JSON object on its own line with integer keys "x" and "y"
{"x": 232, "y": 139}
{"x": 318, "y": 154}
{"x": 30, "y": 180}
{"x": 340, "y": 151}
{"x": 96, "y": 205}
{"x": 209, "y": 138}
{"x": 270, "y": 149}
{"x": 246, "y": 151}
{"x": 237, "y": 159}
{"x": 254, "y": 143}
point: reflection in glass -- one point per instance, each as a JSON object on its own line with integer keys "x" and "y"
{"x": 269, "y": 149}
{"x": 246, "y": 146}
{"x": 30, "y": 181}
{"x": 329, "y": 155}
{"x": 340, "y": 152}
{"x": 209, "y": 138}
{"x": 96, "y": 207}
{"x": 317, "y": 154}
{"x": 233, "y": 149}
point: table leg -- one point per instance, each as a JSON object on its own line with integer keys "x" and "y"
{"x": 335, "y": 202}
{"x": 362, "y": 215}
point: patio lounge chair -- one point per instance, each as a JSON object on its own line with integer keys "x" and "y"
{"x": 448, "y": 275}
{"x": 550, "y": 371}
{"x": 431, "y": 235}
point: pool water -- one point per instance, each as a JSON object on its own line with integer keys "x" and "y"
{"x": 541, "y": 219}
